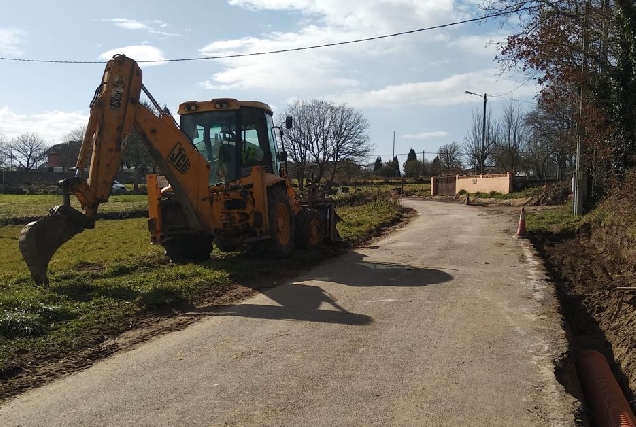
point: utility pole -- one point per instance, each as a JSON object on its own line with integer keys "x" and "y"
{"x": 483, "y": 138}
{"x": 580, "y": 181}
{"x": 393, "y": 155}
{"x": 482, "y": 152}
{"x": 392, "y": 158}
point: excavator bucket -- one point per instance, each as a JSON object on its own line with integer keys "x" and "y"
{"x": 40, "y": 239}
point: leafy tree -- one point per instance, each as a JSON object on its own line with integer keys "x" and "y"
{"x": 396, "y": 166}
{"x": 436, "y": 166}
{"x": 29, "y": 150}
{"x": 387, "y": 170}
{"x": 412, "y": 167}
{"x": 378, "y": 164}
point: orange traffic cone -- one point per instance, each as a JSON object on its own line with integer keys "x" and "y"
{"x": 521, "y": 230}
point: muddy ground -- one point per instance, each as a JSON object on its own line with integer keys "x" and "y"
{"x": 587, "y": 271}
{"x": 586, "y": 267}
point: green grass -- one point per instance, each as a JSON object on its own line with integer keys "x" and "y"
{"x": 513, "y": 195}
{"x": 410, "y": 189}
{"x": 558, "y": 219}
{"x": 103, "y": 281}
{"x": 359, "y": 222}
{"x": 15, "y": 207}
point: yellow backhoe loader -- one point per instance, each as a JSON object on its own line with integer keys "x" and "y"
{"x": 223, "y": 180}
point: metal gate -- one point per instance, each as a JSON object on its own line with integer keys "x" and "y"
{"x": 445, "y": 185}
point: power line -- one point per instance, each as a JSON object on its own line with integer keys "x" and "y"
{"x": 503, "y": 95}
{"x": 512, "y": 99}
{"x": 272, "y": 52}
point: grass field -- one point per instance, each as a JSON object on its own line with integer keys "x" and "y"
{"x": 103, "y": 281}
{"x": 14, "y": 208}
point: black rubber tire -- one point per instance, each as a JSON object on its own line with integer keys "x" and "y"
{"x": 227, "y": 245}
{"x": 281, "y": 221}
{"x": 188, "y": 248}
{"x": 310, "y": 229}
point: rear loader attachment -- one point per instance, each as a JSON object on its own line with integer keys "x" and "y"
{"x": 40, "y": 239}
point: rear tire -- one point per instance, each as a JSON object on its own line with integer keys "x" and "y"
{"x": 281, "y": 221}
{"x": 188, "y": 248}
{"x": 310, "y": 230}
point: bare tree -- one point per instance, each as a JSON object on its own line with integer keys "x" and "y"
{"x": 349, "y": 137}
{"x": 554, "y": 132}
{"x": 323, "y": 136}
{"x": 450, "y": 157}
{"x": 29, "y": 149}
{"x": 297, "y": 140}
{"x": 477, "y": 150}
{"x": 76, "y": 134}
{"x": 511, "y": 141}
{"x": 68, "y": 150}
{"x": 4, "y": 151}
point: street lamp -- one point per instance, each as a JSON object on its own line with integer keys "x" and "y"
{"x": 483, "y": 131}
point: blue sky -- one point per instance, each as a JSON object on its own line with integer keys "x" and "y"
{"x": 412, "y": 84}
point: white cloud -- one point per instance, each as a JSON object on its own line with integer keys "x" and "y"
{"x": 129, "y": 24}
{"x": 52, "y": 125}
{"x": 10, "y": 41}
{"x": 485, "y": 45}
{"x": 381, "y": 15}
{"x": 319, "y": 71}
{"x": 151, "y": 26}
{"x": 138, "y": 53}
{"x": 426, "y": 135}
{"x": 306, "y": 70}
{"x": 448, "y": 91}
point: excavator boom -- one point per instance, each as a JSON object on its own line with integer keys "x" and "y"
{"x": 115, "y": 113}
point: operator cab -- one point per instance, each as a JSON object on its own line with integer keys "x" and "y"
{"x": 232, "y": 135}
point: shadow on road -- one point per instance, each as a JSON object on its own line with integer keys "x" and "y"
{"x": 296, "y": 302}
{"x": 362, "y": 272}
{"x": 300, "y": 301}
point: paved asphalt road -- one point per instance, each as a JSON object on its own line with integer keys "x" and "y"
{"x": 447, "y": 321}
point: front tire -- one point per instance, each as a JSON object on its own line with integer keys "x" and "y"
{"x": 188, "y": 248}
{"x": 281, "y": 221}
{"x": 310, "y": 230}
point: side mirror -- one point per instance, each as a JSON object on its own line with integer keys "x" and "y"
{"x": 289, "y": 122}
{"x": 282, "y": 156}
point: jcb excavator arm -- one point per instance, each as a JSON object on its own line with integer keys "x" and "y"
{"x": 115, "y": 112}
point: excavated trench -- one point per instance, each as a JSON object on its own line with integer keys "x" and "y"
{"x": 587, "y": 268}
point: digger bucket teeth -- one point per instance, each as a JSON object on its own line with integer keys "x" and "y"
{"x": 40, "y": 239}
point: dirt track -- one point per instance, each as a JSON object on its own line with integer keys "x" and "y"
{"x": 447, "y": 321}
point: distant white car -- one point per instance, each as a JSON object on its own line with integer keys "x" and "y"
{"x": 118, "y": 188}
